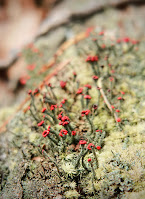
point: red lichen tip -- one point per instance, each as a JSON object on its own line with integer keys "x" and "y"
{"x": 123, "y": 93}
{"x": 60, "y": 115}
{"x": 98, "y": 147}
{"x": 95, "y": 77}
{"x": 112, "y": 107}
{"x": 119, "y": 98}
{"x": 29, "y": 92}
{"x": 99, "y": 131}
{"x": 49, "y": 85}
{"x": 45, "y": 133}
{"x": 92, "y": 58}
{"x": 90, "y": 145}
{"x": 23, "y": 81}
{"x": 85, "y": 112}
{"x": 43, "y": 110}
{"x": 103, "y": 46}
{"x": 28, "y": 108}
{"x": 117, "y": 110}
{"x": 63, "y": 101}
{"x": 63, "y": 84}
{"x": 53, "y": 107}
{"x": 74, "y": 73}
{"x": 73, "y": 133}
{"x": 40, "y": 123}
{"x": 64, "y": 120}
{"x": 64, "y": 131}
{"x": 101, "y": 33}
{"x": 36, "y": 91}
{"x": 88, "y": 86}
{"x": 60, "y": 134}
{"x": 134, "y": 41}
{"x": 80, "y": 90}
{"x": 89, "y": 159}
{"x": 111, "y": 78}
{"x": 126, "y": 39}
{"x": 60, "y": 106}
{"x": 48, "y": 129}
{"x": 118, "y": 41}
{"x": 118, "y": 120}
{"x": 87, "y": 97}
{"x": 82, "y": 142}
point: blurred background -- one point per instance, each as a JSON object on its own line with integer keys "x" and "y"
{"x": 32, "y": 30}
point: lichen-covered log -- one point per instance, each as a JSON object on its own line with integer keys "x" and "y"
{"x": 81, "y": 134}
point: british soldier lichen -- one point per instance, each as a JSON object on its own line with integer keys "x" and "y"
{"x": 87, "y": 119}
{"x": 96, "y": 84}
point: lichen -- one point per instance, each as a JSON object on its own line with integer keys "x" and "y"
{"x": 114, "y": 165}
{"x": 72, "y": 194}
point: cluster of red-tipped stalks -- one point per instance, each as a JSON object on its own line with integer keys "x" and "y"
{"x": 56, "y": 112}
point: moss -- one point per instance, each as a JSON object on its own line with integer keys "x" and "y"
{"x": 33, "y": 138}
{"x": 72, "y": 194}
{"x": 5, "y": 112}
